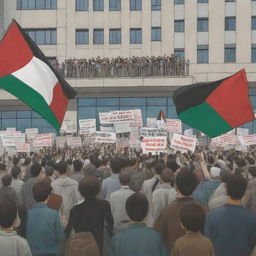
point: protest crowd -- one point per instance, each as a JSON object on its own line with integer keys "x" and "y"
{"x": 123, "y": 67}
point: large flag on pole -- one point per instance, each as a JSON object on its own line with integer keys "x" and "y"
{"x": 216, "y": 107}
{"x": 27, "y": 74}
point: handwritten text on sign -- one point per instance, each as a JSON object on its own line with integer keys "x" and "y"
{"x": 173, "y": 125}
{"x": 105, "y": 137}
{"x": 121, "y": 115}
{"x": 247, "y": 140}
{"x": 183, "y": 143}
{"x": 153, "y": 144}
{"x": 87, "y": 126}
{"x": 43, "y": 140}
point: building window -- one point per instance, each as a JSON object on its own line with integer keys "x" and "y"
{"x": 230, "y": 53}
{"x": 43, "y": 36}
{"x": 228, "y": 1}
{"x": 82, "y": 36}
{"x": 36, "y": 4}
{"x": 202, "y": 1}
{"x": 82, "y": 5}
{"x": 178, "y": 1}
{"x": 230, "y": 23}
{"x": 135, "y": 5}
{"x": 179, "y": 52}
{"x": 155, "y": 34}
{"x": 202, "y": 54}
{"x": 98, "y": 36}
{"x": 253, "y": 22}
{"x": 98, "y": 5}
{"x": 202, "y": 24}
{"x": 179, "y": 26}
{"x": 135, "y": 36}
{"x": 115, "y": 5}
{"x": 155, "y": 5}
{"x": 253, "y": 53}
{"x": 115, "y": 36}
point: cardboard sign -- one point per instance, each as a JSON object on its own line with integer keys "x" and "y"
{"x": 137, "y": 122}
{"x": 247, "y": 140}
{"x": 153, "y": 144}
{"x": 183, "y": 143}
{"x": 242, "y": 131}
{"x": 105, "y": 137}
{"x": 74, "y": 142}
{"x": 152, "y": 132}
{"x": 87, "y": 126}
{"x": 122, "y": 127}
{"x": 23, "y": 148}
{"x": 121, "y": 116}
{"x": 173, "y": 125}
{"x": 43, "y": 140}
{"x": 151, "y": 122}
{"x": 61, "y": 141}
{"x": 31, "y": 133}
{"x": 105, "y": 117}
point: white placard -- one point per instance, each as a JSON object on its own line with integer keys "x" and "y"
{"x": 122, "y": 127}
{"x": 247, "y": 140}
{"x": 14, "y": 139}
{"x": 31, "y": 133}
{"x": 61, "y": 141}
{"x": 183, "y": 143}
{"x": 23, "y": 148}
{"x": 242, "y": 131}
{"x": 151, "y": 122}
{"x": 174, "y": 126}
{"x": 225, "y": 139}
{"x": 154, "y": 132}
{"x": 122, "y": 142}
{"x": 153, "y": 144}
{"x": 74, "y": 141}
{"x": 68, "y": 126}
{"x": 138, "y": 122}
{"x": 105, "y": 117}
{"x": 105, "y": 137}
{"x": 121, "y": 116}
{"x": 87, "y": 126}
{"x": 43, "y": 140}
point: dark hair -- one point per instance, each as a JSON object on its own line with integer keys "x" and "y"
{"x": 186, "y": 182}
{"x": 15, "y": 172}
{"x": 36, "y": 169}
{"x": 2, "y": 167}
{"x": 224, "y": 175}
{"x": 49, "y": 170}
{"x": 239, "y": 171}
{"x": 116, "y": 164}
{"x": 8, "y": 213}
{"x": 89, "y": 187}
{"x": 132, "y": 161}
{"x": 15, "y": 161}
{"x": 90, "y": 170}
{"x": 236, "y": 186}
{"x": 210, "y": 160}
{"x": 77, "y": 165}
{"x": 6, "y": 180}
{"x": 192, "y": 217}
{"x": 252, "y": 170}
{"x": 124, "y": 177}
{"x": 137, "y": 206}
{"x": 166, "y": 175}
{"x": 171, "y": 164}
{"x": 62, "y": 167}
{"x": 41, "y": 191}
{"x": 159, "y": 168}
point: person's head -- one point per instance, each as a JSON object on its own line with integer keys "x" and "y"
{"x": 224, "y": 175}
{"x": 186, "y": 182}
{"x": 77, "y": 165}
{"x": 236, "y": 186}
{"x": 132, "y": 162}
{"x": 16, "y": 161}
{"x": 215, "y": 173}
{"x": 192, "y": 217}
{"x": 137, "y": 207}
{"x": 62, "y": 167}
{"x": 252, "y": 170}
{"x": 90, "y": 170}
{"x": 6, "y": 180}
{"x": 116, "y": 164}
{"x": 166, "y": 175}
{"x": 41, "y": 191}
{"x": 89, "y": 187}
{"x": 15, "y": 172}
{"x": 2, "y": 167}
{"x": 8, "y": 214}
{"x": 124, "y": 177}
{"x": 36, "y": 169}
{"x": 171, "y": 164}
{"x": 49, "y": 170}
{"x": 159, "y": 168}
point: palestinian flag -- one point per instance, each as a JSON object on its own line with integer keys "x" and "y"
{"x": 27, "y": 74}
{"x": 216, "y": 107}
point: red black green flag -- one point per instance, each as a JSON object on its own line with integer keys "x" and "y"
{"x": 216, "y": 107}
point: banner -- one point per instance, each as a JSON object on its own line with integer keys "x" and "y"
{"x": 247, "y": 140}
{"x": 183, "y": 143}
{"x": 74, "y": 141}
{"x": 105, "y": 117}
{"x": 151, "y": 122}
{"x": 153, "y": 144}
{"x": 87, "y": 126}
{"x": 242, "y": 131}
{"x": 174, "y": 126}
{"x": 122, "y": 127}
{"x": 43, "y": 140}
{"x": 137, "y": 122}
{"x": 105, "y": 137}
{"x": 152, "y": 132}
{"x": 121, "y": 116}
{"x": 23, "y": 148}
{"x": 225, "y": 139}
{"x": 12, "y": 140}
{"x": 61, "y": 141}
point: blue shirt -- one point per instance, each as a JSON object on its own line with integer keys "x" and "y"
{"x": 138, "y": 240}
{"x": 232, "y": 230}
{"x": 110, "y": 185}
{"x": 44, "y": 230}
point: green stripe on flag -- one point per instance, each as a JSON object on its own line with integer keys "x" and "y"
{"x": 29, "y": 96}
{"x": 206, "y": 119}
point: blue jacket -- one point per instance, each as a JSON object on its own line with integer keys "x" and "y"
{"x": 44, "y": 231}
{"x": 232, "y": 230}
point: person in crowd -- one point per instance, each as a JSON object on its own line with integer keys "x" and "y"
{"x": 90, "y": 170}
{"x": 78, "y": 175}
{"x": 17, "y": 183}
{"x": 112, "y": 183}
{"x": 11, "y": 244}
{"x": 7, "y": 192}
{"x": 43, "y": 229}
{"x": 27, "y": 195}
{"x": 49, "y": 173}
{"x": 104, "y": 170}
{"x": 117, "y": 202}
{"x": 193, "y": 243}
{"x": 26, "y": 169}
{"x": 90, "y": 215}
{"x": 168, "y": 222}
{"x": 137, "y": 239}
{"x": 3, "y": 172}
{"x": 231, "y": 228}
{"x": 67, "y": 188}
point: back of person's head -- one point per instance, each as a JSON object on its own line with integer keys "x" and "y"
{"x": 36, "y": 169}
{"x": 8, "y": 213}
{"x": 89, "y": 187}
{"x": 15, "y": 161}
{"x": 124, "y": 177}
{"x": 116, "y": 164}
{"x": 186, "y": 182}
{"x": 132, "y": 161}
{"x": 171, "y": 164}
{"x": 236, "y": 186}
{"x": 250, "y": 160}
{"x": 41, "y": 191}
{"x": 224, "y": 175}
{"x": 210, "y": 160}
{"x": 192, "y": 217}
{"x": 159, "y": 168}
{"x": 2, "y": 167}
{"x": 77, "y": 165}
{"x": 6, "y": 180}
{"x": 15, "y": 172}
{"x": 239, "y": 171}
{"x": 90, "y": 170}
{"x": 49, "y": 170}
{"x": 252, "y": 170}
{"x": 215, "y": 172}
{"x": 62, "y": 167}
{"x": 137, "y": 207}
{"x": 166, "y": 175}
{"x": 27, "y": 161}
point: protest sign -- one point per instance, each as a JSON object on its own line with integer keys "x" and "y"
{"x": 105, "y": 137}
{"x": 87, "y": 126}
{"x": 122, "y": 127}
{"x": 105, "y": 117}
{"x": 151, "y": 122}
{"x": 121, "y": 116}
{"x": 43, "y": 140}
{"x": 173, "y": 125}
{"x": 247, "y": 140}
{"x": 68, "y": 126}
{"x": 153, "y": 144}
{"x": 74, "y": 142}
{"x": 154, "y": 132}
{"x": 10, "y": 140}
{"x": 134, "y": 143}
{"x": 107, "y": 129}
{"x": 61, "y": 141}
{"x": 242, "y": 131}
{"x": 183, "y": 143}
{"x": 137, "y": 122}
{"x": 23, "y": 148}
{"x": 225, "y": 139}
{"x": 31, "y": 133}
